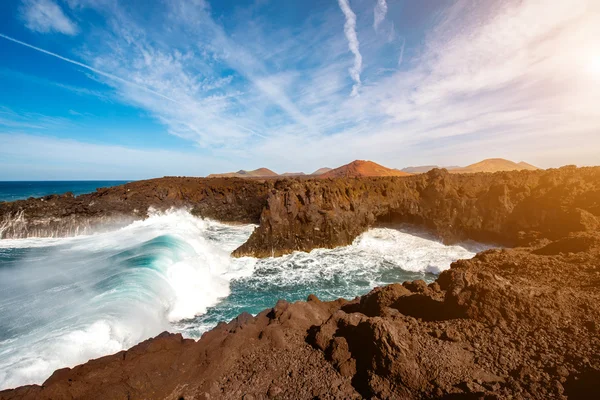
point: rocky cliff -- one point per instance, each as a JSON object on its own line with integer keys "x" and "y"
{"x": 508, "y": 208}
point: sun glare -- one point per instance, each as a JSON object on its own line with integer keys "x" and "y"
{"x": 594, "y": 66}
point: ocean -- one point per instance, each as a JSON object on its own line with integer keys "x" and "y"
{"x": 66, "y": 300}
{"x": 21, "y": 190}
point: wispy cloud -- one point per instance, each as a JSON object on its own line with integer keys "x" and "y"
{"x": 380, "y": 11}
{"x": 24, "y": 120}
{"x": 45, "y": 16}
{"x": 353, "y": 44}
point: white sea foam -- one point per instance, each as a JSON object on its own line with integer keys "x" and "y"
{"x": 366, "y": 260}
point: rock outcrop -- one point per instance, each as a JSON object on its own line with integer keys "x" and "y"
{"x": 517, "y": 323}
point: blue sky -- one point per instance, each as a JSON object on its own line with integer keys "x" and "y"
{"x": 108, "y": 89}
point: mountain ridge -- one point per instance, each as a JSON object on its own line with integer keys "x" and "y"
{"x": 360, "y": 168}
{"x": 494, "y": 165}
{"x": 487, "y": 165}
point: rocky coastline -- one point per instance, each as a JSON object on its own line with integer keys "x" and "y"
{"x": 521, "y": 322}
{"x": 298, "y": 214}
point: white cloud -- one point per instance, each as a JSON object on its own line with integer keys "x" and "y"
{"x": 380, "y": 11}
{"x": 353, "y": 44}
{"x": 45, "y": 16}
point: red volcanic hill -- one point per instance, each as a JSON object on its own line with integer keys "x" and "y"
{"x": 361, "y": 168}
{"x": 494, "y": 165}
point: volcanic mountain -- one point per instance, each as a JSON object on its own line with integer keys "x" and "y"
{"x": 494, "y": 165}
{"x": 361, "y": 168}
{"x": 488, "y": 165}
{"x": 257, "y": 173}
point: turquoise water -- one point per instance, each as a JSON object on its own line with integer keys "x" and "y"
{"x": 64, "y": 301}
{"x": 11, "y": 191}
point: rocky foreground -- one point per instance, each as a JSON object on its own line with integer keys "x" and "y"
{"x": 517, "y": 323}
{"x": 521, "y": 323}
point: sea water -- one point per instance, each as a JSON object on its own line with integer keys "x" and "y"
{"x": 64, "y": 301}
{"x": 21, "y": 190}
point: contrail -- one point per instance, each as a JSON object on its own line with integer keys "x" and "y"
{"x": 380, "y": 11}
{"x": 106, "y": 74}
{"x": 353, "y": 44}
{"x": 401, "y": 58}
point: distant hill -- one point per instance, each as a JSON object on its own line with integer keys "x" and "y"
{"x": 257, "y": 173}
{"x": 360, "y": 168}
{"x": 494, "y": 165}
{"x": 419, "y": 170}
{"x": 369, "y": 168}
{"x": 321, "y": 171}
{"x": 293, "y": 174}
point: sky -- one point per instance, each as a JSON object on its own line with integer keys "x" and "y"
{"x": 115, "y": 89}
